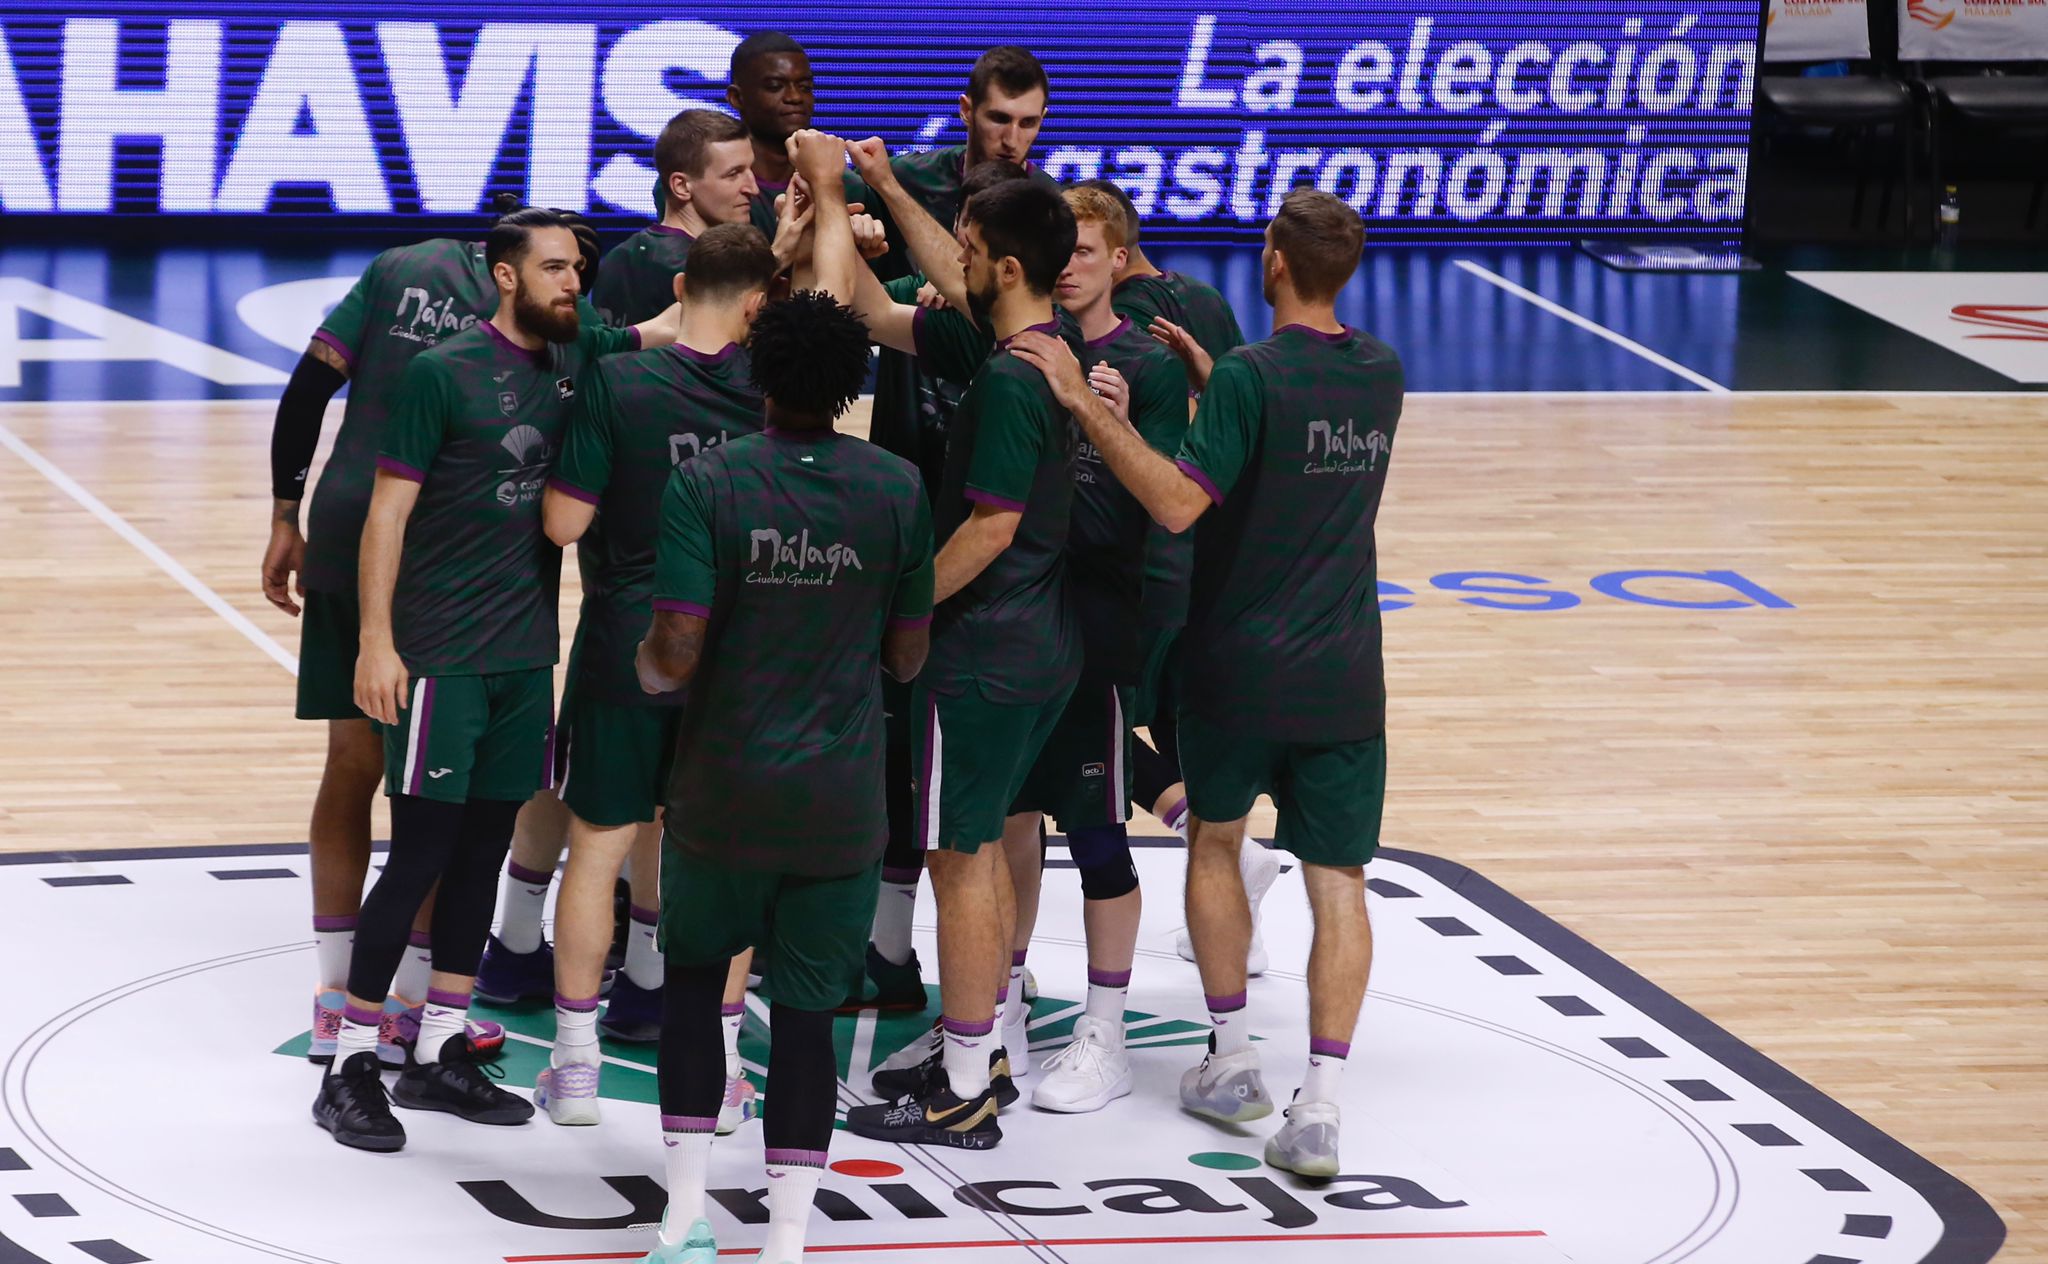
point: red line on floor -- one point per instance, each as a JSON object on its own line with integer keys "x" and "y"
{"x": 1439, "y": 1236}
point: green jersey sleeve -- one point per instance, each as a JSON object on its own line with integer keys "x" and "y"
{"x": 1008, "y": 444}
{"x": 949, "y": 345}
{"x": 1227, "y": 427}
{"x": 912, "y": 605}
{"x": 686, "y": 559}
{"x": 426, "y": 400}
{"x": 348, "y": 324}
{"x": 904, "y": 288}
{"x": 595, "y": 338}
{"x": 585, "y": 468}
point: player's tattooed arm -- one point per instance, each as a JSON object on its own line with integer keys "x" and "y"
{"x": 1172, "y": 498}
{"x": 381, "y": 679}
{"x": 294, "y": 435}
{"x": 977, "y": 542}
{"x": 933, "y": 248}
{"x": 668, "y": 658}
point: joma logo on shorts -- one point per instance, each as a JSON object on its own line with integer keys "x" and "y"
{"x": 793, "y": 559}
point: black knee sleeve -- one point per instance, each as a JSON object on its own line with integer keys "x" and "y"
{"x": 424, "y": 835}
{"x": 469, "y": 888}
{"x": 691, "y": 1066}
{"x": 1103, "y": 855}
{"x": 803, "y": 1080}
{"x": 1152, "y": 774}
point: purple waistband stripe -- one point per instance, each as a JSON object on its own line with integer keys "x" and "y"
{"x": 1224, "y": 1004}
{"x": 797, "y": 1158}
{"x": 520, "y": 873}
{"x": 734, "y": 1010}
{"x": 1318, "y": 1047}
{"x": 961, "y": 1027}
{"x": 362, "y": 1017}
{"x": 448, "y": 1000}
{"x": 689, "y": 1123}
{"x": 420, "y": 939}
{"x": 646, "y": 917}
{"x": 1109, "y": 978}
{"x": 585, "y": 1006}
{"x": 345, "y": 922}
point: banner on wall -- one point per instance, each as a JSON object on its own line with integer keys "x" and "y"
{"x": 1816, "y": 30}
{"x": 1437, "y": 119}
{"x": 1973, "y": 30}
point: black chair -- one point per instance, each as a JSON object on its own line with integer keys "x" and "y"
{"x": 1992, "y": 104}
{"x": 1855, "y": 107}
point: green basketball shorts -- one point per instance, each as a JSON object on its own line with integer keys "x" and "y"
{"x": 329, "y": 631}
{"x": 815, "y": 930}
{"x": 969, "y": 760}
{"x": 612, "y": 759}
{"x": 1330, "y": 796}
{"x": 1082, "y": 776}
{"x": 473, "y": 737}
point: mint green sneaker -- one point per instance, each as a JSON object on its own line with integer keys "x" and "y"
{"x": 697, "y": 1247}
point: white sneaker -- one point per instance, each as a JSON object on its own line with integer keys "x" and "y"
{"x": 1260, "y": 868}
{"x": 1017, "y": 1037}
{"x": 915, "y": 1053}
{"x": 741, "y": 1104}
{"x": 1227, "y": 1088}
{"x": 1307, "y": 1143}
{"x": 568, "y": 1093}
{"x": 1088, "y": 1074}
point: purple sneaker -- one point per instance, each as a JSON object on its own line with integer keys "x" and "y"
{"x": 486, "y": 1038}
{"x": 326, "y": 1026}
{"x": 633, "y": 1013}
{"x": 507, "y": 977}
{"x": 568, "y": 1093}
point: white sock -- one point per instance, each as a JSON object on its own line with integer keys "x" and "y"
{"x": 734, "y": 1018}
{"x": 334, "y": 940}
{"x": 1176, "y": 818}
{"x": 894, "y": 909}
{"x": 358, "y": 1035}
{"x": 1228, "y": 1028}
{"x": 686, "y": 1146}
{"x": 792, "y": 1187}
{"x": 446, "y": 1015}
{"x": 1107, "y": 992}
{"x": 1325, "y": 1071}
{"x": 410, "y": 985}
{"x": 966, "y": 1057}
{"x": 575, "y": 1032}
{"x": 520, "y": 900}
{"x": 1015, "y": 995}
{"x": 644, "y": 963}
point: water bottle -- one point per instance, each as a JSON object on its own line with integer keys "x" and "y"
{"x": 1951, "y": 217}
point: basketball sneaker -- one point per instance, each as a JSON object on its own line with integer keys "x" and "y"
{"x": 327, "y": 1007}
{"x": 697, "y": 1247}
{"x": 934, "y": 1116}
{"x": 1017, "y": 1037}
{"x": 352, "y": 1105}
{"x": 404, "y": 1032}
{"x": 1226, "y": 1087}
{"x": 568, "y": 1093}
{"x": 906, "y": 1072}
{"x": 507, "y": 977}
{"x": 1030, "y": 986}
{"x": 1089, "y": 1073}
{"x": 632, "y": 1013}
{"x": 895, "y": 987}
{"x": 742, "y": 1102}
{"x": 458, "y": 1084}
{"x": 1307, "y": 1143}
{"x": 1260, "y": 868}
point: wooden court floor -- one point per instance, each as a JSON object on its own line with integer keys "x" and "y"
{"x": 1824, "y": 827}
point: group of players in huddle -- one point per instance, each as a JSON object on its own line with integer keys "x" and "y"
{"x": 809, "y": 667}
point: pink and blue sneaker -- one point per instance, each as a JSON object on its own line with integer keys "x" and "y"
{"x": 327, "y": 1006}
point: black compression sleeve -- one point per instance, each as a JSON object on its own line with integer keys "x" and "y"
{"x": 296, "y": 432}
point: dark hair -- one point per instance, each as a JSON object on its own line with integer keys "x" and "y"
{"x": 1008, "y": 67}
{"x": 685, "y": 143}
{"x": 761, "y": 44}
{"x": 989, "y": 174}
{"x": 1123, "y": 197}
{"x": 1028, "y": 222}
{"x": 809, "y": 353}
{"x": 729, "y": 260}
{"x": 1322, "y": 238}
{"x": 509, "y": 238}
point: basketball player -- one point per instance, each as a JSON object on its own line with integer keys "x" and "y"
{"x": 802, "y": 558}
{"x": 1285, "y": 691}
{"x": 706, "y": 164}
{"x": 407, "y": 300}
{"x": 1006, "y": 645}
{"x": 774, "y": 94}
{"x": 1178, "y": 306}
{"x": 637, "y": 416}
{"x": 457, "y": 590}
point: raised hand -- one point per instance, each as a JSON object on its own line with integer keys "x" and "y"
{"x": 1183, "y": 344}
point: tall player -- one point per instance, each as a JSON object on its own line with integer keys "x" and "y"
{"x": 800, "y": 557}
{"x": 637, "y": 417}
{"x": 1181, "y": 312}
{"x": 1284, "y": 467}
{"x": 457, "y": 590}
{"x": 409, "y": 299}
{"x": 1005, "y": 651}
{"x": 705, "y": 162}
{"x": 774, "y": 94}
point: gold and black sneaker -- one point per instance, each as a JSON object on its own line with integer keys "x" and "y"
{"x": 934, "y": 1116}
{"x": 910, "y": 1078}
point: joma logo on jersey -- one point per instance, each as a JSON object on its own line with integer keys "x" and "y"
{"x": 431, "y": 321}
{"x": 1334, "y": 449}
{"x": 793, "y": 559}
{"x": 688, "y": 447}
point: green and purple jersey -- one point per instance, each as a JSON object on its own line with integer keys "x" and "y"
{"x": 636, "y": 278}
{"x": 1195, "y": 306}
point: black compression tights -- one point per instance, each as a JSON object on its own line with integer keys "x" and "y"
{"x": 802, "y": 1080}
{"x": 459, "y": 845}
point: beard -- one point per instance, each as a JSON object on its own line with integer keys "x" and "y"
{"x": 556, "y": 324}
{"x": 981, "y": 304}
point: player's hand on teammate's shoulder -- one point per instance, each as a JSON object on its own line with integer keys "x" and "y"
{"x": 1055, "y": 359}
{"x": 928, "y": 296}
{"x": 1183, "y": 344}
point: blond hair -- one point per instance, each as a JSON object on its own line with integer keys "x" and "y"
{"x": 1093, "y": 206}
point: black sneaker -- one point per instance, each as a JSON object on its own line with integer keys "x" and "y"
{"x": 898, "y": 1083}
{"x": 933, "y": 1117}
{"x": 354, "y": 1106}
{"x": 458, "y": 1084}
{"x": 895, "y": 987}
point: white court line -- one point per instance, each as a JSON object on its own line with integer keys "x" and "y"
{"x": 165, "y": 562}
{"x": 1598, "y": 330}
